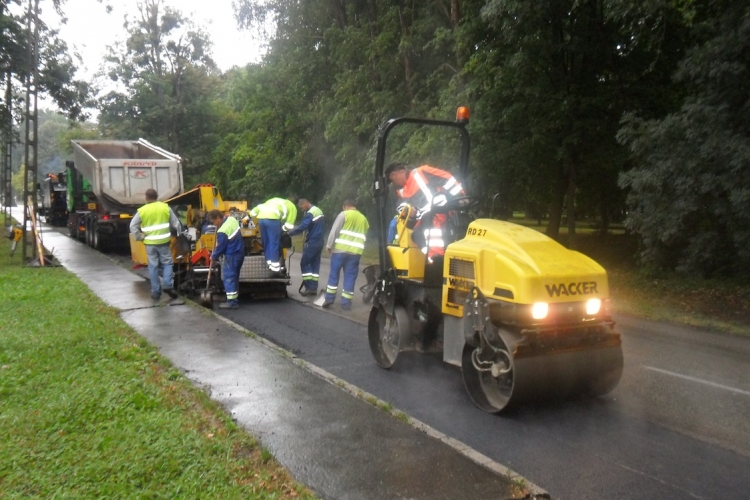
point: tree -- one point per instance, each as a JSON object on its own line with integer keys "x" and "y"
{"x": 342, "y": 68}
{"x": 690, "y": 188}
{"x": 56, "y": 70}
{"x": 167, "y": 85}
{"x": 558, "y": 75}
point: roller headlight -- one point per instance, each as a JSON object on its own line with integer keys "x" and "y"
{"x": 593, "y": 306}
{"x": 539, "y": 310}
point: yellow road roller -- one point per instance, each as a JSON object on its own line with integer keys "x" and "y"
{"x": 522, "y": 316}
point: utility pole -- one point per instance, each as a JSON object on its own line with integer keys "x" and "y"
{"x": 6, "y": 128}
{"x": 6, "y": 190}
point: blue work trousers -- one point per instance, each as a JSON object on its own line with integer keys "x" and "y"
{"x": 160, "y": 262}
{"x": 349, "y": 262}
{"x": 231, "y": 276}
{"x": 310, "y": 264}
{"x": 270, "y": 236}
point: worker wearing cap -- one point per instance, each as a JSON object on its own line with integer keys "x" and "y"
{"x": 231, "y": 246}
{"x": 151, "y": 225}
{"x": 346, "y": 242}
{"x": 423, "y": 188}
{"x": 313, "y": 225}
{"x": 274, "y": 216}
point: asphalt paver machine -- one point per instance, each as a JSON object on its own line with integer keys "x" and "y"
{"x": 522, "y": 316}
{"x": 191, "y": 251}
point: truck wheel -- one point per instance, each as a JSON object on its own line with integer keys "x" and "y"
{"x": 87, "y": 225}
{"x": 95, "y": 237}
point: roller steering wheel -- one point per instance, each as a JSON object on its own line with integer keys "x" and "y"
{"x": 458, "y": 203}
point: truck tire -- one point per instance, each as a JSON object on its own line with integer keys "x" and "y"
{"x": 95, "y": 237}
{"x": 79, "y": 223}
{"x": 89, "y": 232}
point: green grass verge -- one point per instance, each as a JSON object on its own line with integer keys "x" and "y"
{"x": 88, "y": 409}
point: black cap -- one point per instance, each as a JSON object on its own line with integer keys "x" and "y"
{"x": 392, "y": 168}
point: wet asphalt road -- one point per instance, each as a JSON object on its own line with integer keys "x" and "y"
{"x": 659, "y": 435}
{"x": 676, "y": 427}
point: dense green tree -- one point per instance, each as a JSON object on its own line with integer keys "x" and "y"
{"x": 167, "y": 83}
{"x": 551, "y": 81}
{"x": 346, "y": 66}
{"x": 548, "y": 81}
{"x": 56, "y": 69}
{"x": 689, "y": 193}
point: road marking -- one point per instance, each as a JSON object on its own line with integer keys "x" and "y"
{"x": 700, "y": 381}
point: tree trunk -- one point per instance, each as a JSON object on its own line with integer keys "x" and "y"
{"x": 558, "y": 198}
{"x": 571, "y": 208}
{"x": 604, "y": 212}
{"x": 455, "y": 13}
{"x": 408, "y": 66}
{"x": 339, "y": 7}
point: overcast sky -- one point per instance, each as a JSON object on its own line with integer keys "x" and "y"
{"x": 90, "y": 29}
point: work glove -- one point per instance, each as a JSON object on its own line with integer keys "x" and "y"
{"x": 140, "y": 237}
{"x": 420, "y": 213}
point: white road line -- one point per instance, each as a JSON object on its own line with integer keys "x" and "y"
{"x": 700, "y": 381}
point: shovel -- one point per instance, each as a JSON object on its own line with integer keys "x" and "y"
{"x": 207, "y": 296}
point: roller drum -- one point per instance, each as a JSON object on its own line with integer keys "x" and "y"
{"x": 388, "y": 334}
{"x": 517, "y": 369}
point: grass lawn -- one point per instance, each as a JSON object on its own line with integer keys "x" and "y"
{"x": 88, "y": 409}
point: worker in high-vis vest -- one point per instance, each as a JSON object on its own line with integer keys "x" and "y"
{"x": 152, "y": 225}
{"x": 424, "y": 188}
{"x": 346, "y": 242}
{"x": 313, "y": 225}
{"x": 231, "y": 246}
{"x": 274, "y": 216}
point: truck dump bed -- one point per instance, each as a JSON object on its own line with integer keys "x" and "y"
{"x": 120, "y": 172}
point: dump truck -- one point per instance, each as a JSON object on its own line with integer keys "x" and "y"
{"x": 53, "y": 199}
{"x": 523, "y": 317}
{"x": 107, "y": 182}
{"x": 193, "y": 245}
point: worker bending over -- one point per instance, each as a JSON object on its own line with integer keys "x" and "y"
{"x": 313, "y": 225}
{"x": 346, "y": 242}
{"x": 231, "y": 246}
{"x": 423, "y": 188}
{"x": 274, "y": 216}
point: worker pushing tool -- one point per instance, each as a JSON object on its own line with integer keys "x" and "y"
{"x": 231, "y": 246}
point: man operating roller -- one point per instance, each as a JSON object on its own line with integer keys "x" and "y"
{"x": 425, "y": 188}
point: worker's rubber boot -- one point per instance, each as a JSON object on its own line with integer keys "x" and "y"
{"x": 229, "y": 305}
